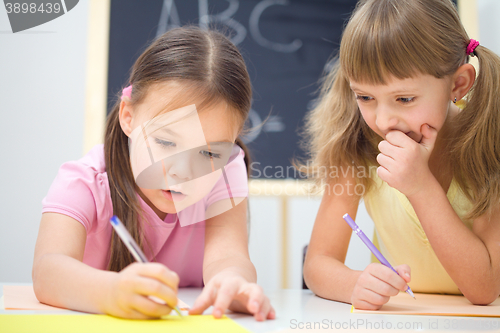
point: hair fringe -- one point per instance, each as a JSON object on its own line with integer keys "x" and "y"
{"x": 335, "y": 134}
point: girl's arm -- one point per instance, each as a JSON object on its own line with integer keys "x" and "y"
{"x": 229, "y": 275}
{"x": 324, "y": 270}
{"x": 471, "y": 258}
{"x": 226, "y": 245}
{"x": 60, "y": 278}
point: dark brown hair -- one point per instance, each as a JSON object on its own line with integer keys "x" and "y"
{"x": 204, "y": 61}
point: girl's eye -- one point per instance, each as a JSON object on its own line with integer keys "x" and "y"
{"x": 363, "y": 98}
{"x": 209, "y": 154}
{"x": 406, "y": 100}
{"x": 164, "y": 143}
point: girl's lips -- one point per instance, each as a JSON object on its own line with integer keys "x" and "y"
{"x": 173, "y": 196}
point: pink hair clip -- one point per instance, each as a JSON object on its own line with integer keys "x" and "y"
{"x": 472, "y": 46}
{"x": 127, "y": 92}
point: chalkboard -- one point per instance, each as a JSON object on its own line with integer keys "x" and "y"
{"x": 286, "y": 45}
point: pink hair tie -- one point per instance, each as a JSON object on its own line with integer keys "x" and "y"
{"x": 127, "y": 92}
{"x": 472, "y": 46}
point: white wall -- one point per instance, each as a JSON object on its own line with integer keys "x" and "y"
{"x": 266, "y": 239}
{"x": 489, "y": 24}
{"x": 42, "y": 90}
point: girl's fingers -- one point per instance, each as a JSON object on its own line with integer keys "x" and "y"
{"x": 389, "y": 276}
{"x": 387, "y": 149}
{"x": 429, "y": 135}
{"x": 381, "y": 287}
{"x": 244, "y": 297}
{"x": 134, "y": 314}
{"x": 364, "y": 305}
{"x": 203, "y": 301}
{"x": 151, "y": 287}
{"x": 385, "y": 161}
{"x": 159, "y": 272}
{"x": 149, "y": 308}
{"x": 397, "y": 139}
{"x": 373, "y": 297}
{"x": 383, "y": 173}
{"x": 265, "y": 307}
{"x": 257, "y": 303}
{"x": 404, "y": 271}
{"x": 272, "y": 313}
{"x": 225, "y": 296}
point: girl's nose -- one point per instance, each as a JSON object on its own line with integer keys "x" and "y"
{"x": 180, "y": 167}
{"x": 386, "y": 120}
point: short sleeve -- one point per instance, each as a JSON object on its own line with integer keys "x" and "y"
{"x": 234, "y": 185}
{"x": 78, "y": 191}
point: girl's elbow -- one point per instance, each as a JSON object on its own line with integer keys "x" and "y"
{"x": 309, "y": 272}
{"x": 40, "y": 292}
{"x": 37, "y": 276}
{"x": 35, "y": 272}
{"x": 306, "y": 270}
{"x": 484, "y": 299}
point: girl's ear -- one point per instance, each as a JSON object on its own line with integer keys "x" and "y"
{"x": 463, "y": 79}
{"x": 125, "y": 116}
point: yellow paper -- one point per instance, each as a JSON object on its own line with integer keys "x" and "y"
{"x": 107, "y": 324}
{"x": 23, "y": 298}
{"x": 436, "y": 305}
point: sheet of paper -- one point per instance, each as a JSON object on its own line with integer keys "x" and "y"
{"x": 436, "y": 305}
{"x": 23, "y": 298}
{"x": 356, "y": 330}
{"x": 56, "y": 323}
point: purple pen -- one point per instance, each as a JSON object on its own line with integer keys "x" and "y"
{"x": 372, "y": 247}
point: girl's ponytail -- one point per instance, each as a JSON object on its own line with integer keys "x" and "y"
{"x": 475, "y": 152}
{"x": 123, "y": 190}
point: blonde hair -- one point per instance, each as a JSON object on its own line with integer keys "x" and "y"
{"x": 404, "y": 38}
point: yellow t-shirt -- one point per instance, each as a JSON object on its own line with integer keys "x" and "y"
{"x": 402, "y": 240}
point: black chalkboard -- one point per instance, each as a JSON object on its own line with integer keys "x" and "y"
{"x": 286, "y": 45}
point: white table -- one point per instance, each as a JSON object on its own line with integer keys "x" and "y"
{"x": 296, "y": 308}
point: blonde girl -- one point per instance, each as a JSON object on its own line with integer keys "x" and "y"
{"x": 405, "y": 118}
{"x": 198, "y": 81}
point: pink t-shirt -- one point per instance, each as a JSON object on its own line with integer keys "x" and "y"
{"x": 81, "y": 191}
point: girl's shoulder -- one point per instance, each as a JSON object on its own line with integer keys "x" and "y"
{"x": 93, "y": 160}
{"x": 88, "y": 171}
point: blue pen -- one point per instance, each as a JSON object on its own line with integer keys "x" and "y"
{"x": 372, "y": 247}
{"x": 134, "y": 249}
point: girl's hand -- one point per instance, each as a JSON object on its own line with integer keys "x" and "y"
{"x": 131, "y": 292}
{"x": 377, "y": 284}
{"x": 404, "y": 163}
{"x": 229, "y": 290}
